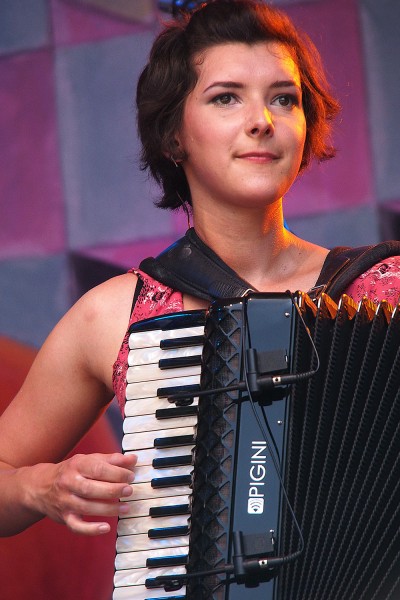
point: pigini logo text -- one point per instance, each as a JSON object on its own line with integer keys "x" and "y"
{"x": 257, "y": 474}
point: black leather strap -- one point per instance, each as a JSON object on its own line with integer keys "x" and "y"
{"x": 193, "y": 268}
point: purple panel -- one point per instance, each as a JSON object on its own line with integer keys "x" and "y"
{"x": 30, "y": 182}
{"x": 73, "y": 24}
{"x": 108, "y": 199}
{"x": 129, "y": 255}
{"x": 346, "y": 180}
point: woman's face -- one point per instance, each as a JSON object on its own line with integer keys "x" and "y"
{"x": 243, "y": 128}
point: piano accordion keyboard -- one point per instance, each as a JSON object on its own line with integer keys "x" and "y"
{"x": 152, "y": 538}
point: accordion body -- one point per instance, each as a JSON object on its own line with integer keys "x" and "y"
{"x": 301, "y": 463}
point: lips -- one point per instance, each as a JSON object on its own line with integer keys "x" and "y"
{"x": 262, "y": 157}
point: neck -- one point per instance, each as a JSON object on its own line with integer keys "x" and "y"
{"x": 251, "y": 244}
{"x": 259, "y": 249}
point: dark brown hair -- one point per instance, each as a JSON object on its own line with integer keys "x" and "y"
{"x": 170, "y": 76}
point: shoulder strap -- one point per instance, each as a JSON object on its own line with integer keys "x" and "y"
{"x": 193, "y": 268}
{"x": 343, "y": 265}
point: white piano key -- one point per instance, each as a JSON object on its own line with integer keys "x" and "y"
{"x": 142, "y": 440}
{"x": 143, "y": 491}
{"x": 148, "y": 406}
{"x": 150, "y": 423}
{"x": 147, "y": 339}
{"x": 138, "y": 576}
{"x": 138, "y": 508}
{"x": 147, "y": 472}
{"x": 139, "y": 592}
{"x": 134, "y": 560}
{"x": 144, "y": 524}
{"x": 142, "y": 542}
{"x": 146, "y": 456}
{"x": 146, "y": 356}
{"x": 148, "y": 389}
{"x": 154, "y": 373}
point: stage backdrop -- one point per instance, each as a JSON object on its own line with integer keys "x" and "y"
{"x": 71, "y": 192}
{"x": 74, "y": 206}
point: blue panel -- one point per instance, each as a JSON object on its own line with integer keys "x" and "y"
{"x": 108, "y": 198}
{"x": 34, "y": 295}
{"x": 355, "y": 227}
{"x": 24, "y": 24}
{"x": 381, "y": 21}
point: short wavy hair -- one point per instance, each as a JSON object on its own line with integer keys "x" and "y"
{"x": 170, "y": 76}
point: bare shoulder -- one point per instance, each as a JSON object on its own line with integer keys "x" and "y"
{"x": 101, "y": 317}
{"x": 70, "y": 381}
{"x": 113, "y": 297}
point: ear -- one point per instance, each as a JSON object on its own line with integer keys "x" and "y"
{"x": 178, "y": 152}
{"x": 171, "y": 149}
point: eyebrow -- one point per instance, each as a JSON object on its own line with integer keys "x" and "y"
{"x": 235, "y": 85}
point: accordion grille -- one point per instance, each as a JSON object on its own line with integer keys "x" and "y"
{"x": 215, "y": 448}
{"x": 343, "y": 466}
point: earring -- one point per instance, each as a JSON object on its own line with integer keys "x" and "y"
{"x": 185, "y": 209}
{"x": 174, "y": 161}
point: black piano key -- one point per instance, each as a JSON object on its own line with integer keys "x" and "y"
{"x": 177, "y": 440}
{"x": 193, "y": 318}
{"x": 164, "y": 532}
{"x": 173, "y": 586}
{"x": 167, "y": 561}
{"x": 179, "y": 362}
{"x": 182, "y": 342}
{"x": 162, "y": 482}
{"x": 180, "y": 411}
{"x": 172, "y": 461}
{"x": 167, "y": 597}
{"x": 169, "y": 511}
{"x": 191, "y": 390}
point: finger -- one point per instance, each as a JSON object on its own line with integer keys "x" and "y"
{"x": 98, "y": 467}
{"x": 78, "y": 525}
{"x": 128, "y": 460}
{"x": 95, "y": 508}
{"x": 99, "y": 490}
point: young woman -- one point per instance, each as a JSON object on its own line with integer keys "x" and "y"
{"x": 231, "y": 107}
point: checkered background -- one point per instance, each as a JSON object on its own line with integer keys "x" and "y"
{"x": 70, "y": 185}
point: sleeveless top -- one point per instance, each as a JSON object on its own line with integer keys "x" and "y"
{"x": 155, "y": 298}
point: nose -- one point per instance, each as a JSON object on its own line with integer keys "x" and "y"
{"x": 262, "y": 124}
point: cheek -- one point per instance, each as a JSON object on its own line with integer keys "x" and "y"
{"x": 299, "y": 138}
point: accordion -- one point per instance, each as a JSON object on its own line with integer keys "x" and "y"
{"x": 267, "y": 431}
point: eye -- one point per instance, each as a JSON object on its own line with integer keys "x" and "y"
{"x": 224, "y": 99}
{"x": 286, "y": 100}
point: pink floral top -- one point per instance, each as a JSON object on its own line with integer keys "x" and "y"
{"x": 380, "y": 282}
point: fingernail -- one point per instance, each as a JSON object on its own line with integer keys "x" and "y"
{"x": 104, "y": 528}
{"x": 127, "y": 491}
{"x": 123, "y": 509}
{"x": 131, "y": 477}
